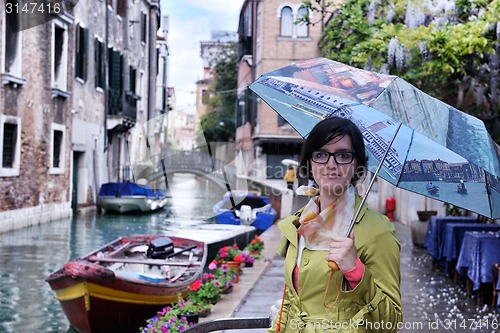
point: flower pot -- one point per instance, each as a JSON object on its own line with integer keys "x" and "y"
{"x": 205, "y": 313}
{"x": 227, "y": 290}
{"x": 424, "y": 215}
{"x": 232, "y": 264}
{"x": 255, "y": 253}
{"x": 190, "y": 317}
{"x": 248, "y": 264}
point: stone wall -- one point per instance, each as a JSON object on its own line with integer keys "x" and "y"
{"x": 32, "y": 216}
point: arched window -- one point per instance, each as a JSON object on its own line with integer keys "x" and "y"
{"x": 302, "y": 28}
{"x": 286, "y": 22}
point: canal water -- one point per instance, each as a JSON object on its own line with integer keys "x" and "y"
{"x": 29, "y": 255}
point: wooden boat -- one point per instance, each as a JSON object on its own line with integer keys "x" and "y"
{"x": 250, "y": 209}
{"x": 130, "y": 197}
{"x": 117, "y": 287}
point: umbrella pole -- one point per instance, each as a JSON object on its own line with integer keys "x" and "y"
{"x": 332, "y": 264}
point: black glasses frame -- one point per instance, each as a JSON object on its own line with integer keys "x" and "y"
{"x": 338, "y": 153}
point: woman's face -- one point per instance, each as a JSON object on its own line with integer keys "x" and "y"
{"x": 332, "y": 178}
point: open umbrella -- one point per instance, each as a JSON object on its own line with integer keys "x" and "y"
{"x": 416, "y": 141}
{"x": 289, "y": 162}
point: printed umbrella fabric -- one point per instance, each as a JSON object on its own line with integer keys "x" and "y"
{"x": 439, "y": 151}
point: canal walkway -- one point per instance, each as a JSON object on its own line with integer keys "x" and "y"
{"x": 432, "y": 302}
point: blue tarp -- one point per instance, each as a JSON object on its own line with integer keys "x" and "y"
{"x": 126, "y": 190}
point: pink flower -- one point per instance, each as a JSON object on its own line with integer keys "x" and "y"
{"x": 212, "y": 266}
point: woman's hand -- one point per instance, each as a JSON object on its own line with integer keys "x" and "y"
{"x": 343, "y": 252}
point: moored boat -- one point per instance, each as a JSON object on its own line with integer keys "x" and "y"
{"x": 130, "y": 197}
{"x": 118, "y": 286}
{"x": 250, "y": 209}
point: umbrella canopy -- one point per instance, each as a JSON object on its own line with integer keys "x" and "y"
{"x": 439, "y": 151}
{"x": 289, "y": 162}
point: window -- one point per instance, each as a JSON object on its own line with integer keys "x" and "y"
{"x": 286, "y": 22}
{"x": 205, "y": 96}
{"x": 81, "y": 52}
{"x": 99, "y": 63}
{"x": 281, "y": 121}
{"x": 115, "y": 69}
{"x": 132, "y": 79}
{"x": 10, "y": 133}
{"x": 301, "y": 27}
{"x": 290, "y": 26}
{"x": 122, "y": 8}
{"x": 144, "y": 27}
{"x": 59, "y": 55}
{"x": 57, "y": 146}
{"x": 12, "y": 44}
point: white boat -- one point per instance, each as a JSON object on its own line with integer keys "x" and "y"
{"x": 130, "y": 197}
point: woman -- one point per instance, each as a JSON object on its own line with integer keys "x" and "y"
{"x": 364, "y": 294}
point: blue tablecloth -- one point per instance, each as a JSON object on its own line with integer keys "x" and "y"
{"x": 454, "y": 235}
{"x": 498, "y": 289}
{"x": 478, "y": 252}
{"x": 436, "y": 231}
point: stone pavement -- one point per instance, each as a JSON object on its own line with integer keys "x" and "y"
{"x": 432, "y": 302}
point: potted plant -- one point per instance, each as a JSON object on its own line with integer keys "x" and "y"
{"x": 205, "y": 291}
{"x": 248, "y": 259}
{"x": 186, "y": 309}
{"x": 256, "y": 246}
{"x": 225, "y": 275}
{"x": 424, "y": 215}
{"x": 230, "y": 256}
{"x": 166, "y": 321}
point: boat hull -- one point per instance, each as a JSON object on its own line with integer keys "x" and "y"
{"x": 97, "y": 298}
{"x": 130, "y": 197}
{"x": 131, "y": 204}
{"x": 92, "y": 308}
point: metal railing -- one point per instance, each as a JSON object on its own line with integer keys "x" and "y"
{"x": 230, "y": 324}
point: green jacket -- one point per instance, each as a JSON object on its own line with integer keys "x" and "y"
{"x": 373, "y": 306}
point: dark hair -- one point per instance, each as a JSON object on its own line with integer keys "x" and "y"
{"x": 324, "y": 132}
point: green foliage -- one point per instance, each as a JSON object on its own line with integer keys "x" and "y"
{"x": 206, "y": 291}
{"x": 448, "y": 54}
{"x": 218, "y": 124}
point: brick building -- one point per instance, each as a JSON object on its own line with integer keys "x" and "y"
{"x": 269, "y": 38}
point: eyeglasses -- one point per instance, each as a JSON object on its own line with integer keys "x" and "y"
{"x": 341, "y": 157}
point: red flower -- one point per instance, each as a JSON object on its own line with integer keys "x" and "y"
{"x": 238, "y": 258}
{"x": 196, "y": 285}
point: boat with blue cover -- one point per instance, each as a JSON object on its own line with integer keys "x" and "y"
{"x": 123, "y": 197}
{"x": 249, "y": 209}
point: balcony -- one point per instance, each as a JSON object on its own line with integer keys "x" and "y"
{"x": 122, "y": 110}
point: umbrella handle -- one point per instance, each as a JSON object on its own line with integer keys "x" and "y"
{"x": 333, "y": 265}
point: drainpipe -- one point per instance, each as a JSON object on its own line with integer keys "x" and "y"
{"x": 106, "y": 78}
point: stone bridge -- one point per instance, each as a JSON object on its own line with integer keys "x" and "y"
{"x": 195, "y": 162}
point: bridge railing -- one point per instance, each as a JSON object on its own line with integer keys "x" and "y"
{"x": 193, "y": 161}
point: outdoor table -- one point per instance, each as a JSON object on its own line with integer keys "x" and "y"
{"x": 453, "y": 237}
{"x": 479, "y": 251}
{"x": 498, "y": 289}
{"x": 436, "y": 231}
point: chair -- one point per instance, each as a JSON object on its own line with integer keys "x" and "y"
{"x": 495, "y": 269}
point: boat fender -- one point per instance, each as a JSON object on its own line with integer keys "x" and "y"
{"x": 246, "y": 214}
